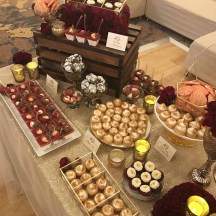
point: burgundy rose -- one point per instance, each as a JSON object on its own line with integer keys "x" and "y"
{"x": 22, "y": 57}
{"x": 167, "y": 95}
{"x": 46, "y": 29}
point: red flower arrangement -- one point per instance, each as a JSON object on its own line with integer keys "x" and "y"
{"x": 22, "y": 57}
{"x": 174, "y": 203}
{"x": 46, "y": 29}
{"x": 210, "y": 117}
{"x": 112, "y": 22}
{"x": 167, "y": 96}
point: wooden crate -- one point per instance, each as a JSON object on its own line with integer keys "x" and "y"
{"x": 116, "y": 66}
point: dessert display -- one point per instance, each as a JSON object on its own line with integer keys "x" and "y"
{"x": 98, "y": 196}
{"x": 193, "y": 96}
{"x": 182, "y": 124}
{"x": 119, "y": 123}
{"x": 40, "y": 119}
{"x": 143, "y": 180}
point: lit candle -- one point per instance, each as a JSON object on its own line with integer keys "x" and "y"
{"x": 197, "y": 206}
{"x": 149, "y": 102}
{"x": 18, "y": 72}
{"x": 141, "y": 149}
{"x": 32, "y": 68}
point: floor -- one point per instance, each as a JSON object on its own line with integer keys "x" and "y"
{"x": 164, "y": 63}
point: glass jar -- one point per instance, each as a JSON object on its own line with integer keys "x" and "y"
{"x": 18, "y": 72}
{"x": 58, "y": 28}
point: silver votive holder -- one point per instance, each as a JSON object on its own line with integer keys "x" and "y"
{"x": 116, "y": 157}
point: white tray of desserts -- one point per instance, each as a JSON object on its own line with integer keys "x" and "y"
{"x": 40, "y": 151}
{"x": 192, "y": 132}
{"x": 119, "y": 124}
{"x": 95, "y": 189}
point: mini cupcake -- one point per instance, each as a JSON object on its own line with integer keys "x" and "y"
{"x": 145, "y": 177}
{"x": 135, "y": 183}
{"x": 157, "y": 175}
{"x": 164, "y": 115}
{"x": 149, "y": 166}
{"x": 138, "y": 166}
{"x": 155, "y": 186}
{"x": 161, "y": 107}
{"x": 130, "y": 173}
{"x": 145, "y": 190}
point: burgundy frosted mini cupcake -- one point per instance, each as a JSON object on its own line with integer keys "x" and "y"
{"x": 138, "y": 166}
{"x": 155, "y": 186}
{"x": 135, "y": 183}
{"x": 157, "y": 175}
{"x": 130, "y": 173}
{"x": 145, "y": 190}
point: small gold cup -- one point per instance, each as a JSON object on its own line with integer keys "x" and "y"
{"x": 149, "y": 102}
{"x": 197, "y": 206}
{"x": 32, "y": 68}
{"x": 116, "y": 157}
{"x": 18, "y": 72}
{"x": 141, "y": 149}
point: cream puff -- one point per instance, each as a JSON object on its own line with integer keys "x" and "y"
{"x": 118, "y": 204}
{"x": 187, "y": 117}
{"x": 105, "y": 118}
{"x": 134, "y": 116}
{"x": 108, "y": 139}
{"x": 142, "y": 124}
{"x": 180, "y": 129}
{"x": 114, "y": 124}
{"x": 124, "y": 105}
{"x": 109, "y": 191}
{"x": 99, "y": 199}
{"x": 126, "y": 113}
{"x": 95, "y": 119}
{"x": 164, "y": 115}
{"x": 86, "y": 178}
{"x": 143, "y": 117}
{"x": 82, "y": 194}
{"x": 183, "y": 121}
{"x": 123, "y": 133}
{"x": 80, "y": 169}
{"x": 125, "y": 120}
{"x": 133, "y": 124}
{"x": 194, "y": 124}
{"x": 135, "y": 136}
{"x": 161, "y": 108}
{"x": 110, "y": 105}
{"x": 118, "y": 110}
{"x": 117, "y": 118}
{"x": 113, "y": 131}
{"x": 95, "y": 172}
{"x": 99, "y": 133}
{"x": 126, "y": 212}
{"x": 172, "y": 108}
{"x": 92, "y": 189}
{"x": 106, "y": 126}
{"x": 122, "y": 126}
{"x": 141, "y": 132}
{"x": 90, "y": 206}
{"x": 96, "y": 126}
{"x": 97, "y": 112}
{"x": 107, "y": 210}
{"x": 89, "y": 164}
{"x": 130, "y": 130}
{"x": 118, "y": 139}
{"x": 191, "y": 132}
{"x": 176, "y": 115}
{"x": 101, "y": 183}
{"x": 132, "y": 108}
{"x": 102, "y": 108}
{"x": 171, "y": 122}
{"x": 117, "y": 102}
{"x": 141, "y": 111}
{"x": 76, "y": 184}
{"x": 110, "y": 112}
{"x": 70, "y": 175}
{"x": 127, "y": 141}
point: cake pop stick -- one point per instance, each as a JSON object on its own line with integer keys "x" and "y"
{"x": 100, "y": 26}
{"x": 85, "y": 22}
{"x": 79, "y": 21}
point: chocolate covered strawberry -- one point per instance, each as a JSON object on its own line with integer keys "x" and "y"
{"x": 44, "y": 140}
{"x": 20, "y": 103}
{"x": 26, "y": 93}
{"x": 56, "y": 134}
{"x": 24, "y": 109}
{"x": 50, "y": 127}
{"x": 46, "y": 101}
{"x": 28, "y": 116}
{"x": 34, "y": 124}
{"x": 35, "y": 104}
{"x": 44, "y": 118}
{"x": 31, "y": 98}
{"x": 15, "y": 96}
{"x": 22, "y": 86}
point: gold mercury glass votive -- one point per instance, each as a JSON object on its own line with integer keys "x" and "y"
{"x": 149, "y": 102}
{"x": 18, "y": 72}
{"x": 116, "y": 157}
{"x": 197, "y": 206}
{"x": 32, "y": 68}
{"x": 141, "y": 149}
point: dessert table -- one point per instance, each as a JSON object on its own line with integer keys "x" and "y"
{"x": 40, "y": 179}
